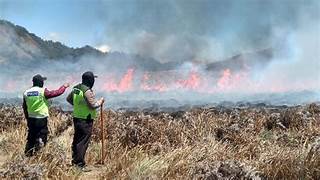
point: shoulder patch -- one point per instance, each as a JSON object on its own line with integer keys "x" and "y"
{"x": 33, "y": 93}
{"x": 76, "y": 91}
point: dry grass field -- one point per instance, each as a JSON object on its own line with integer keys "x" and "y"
{"x": 258, "y": 142}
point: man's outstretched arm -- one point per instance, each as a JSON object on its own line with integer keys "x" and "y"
{"x": 54, "y": 93}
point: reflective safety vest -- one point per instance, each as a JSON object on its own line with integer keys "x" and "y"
{"x": 37, "y": 104}
{"x": 81, "y": 108}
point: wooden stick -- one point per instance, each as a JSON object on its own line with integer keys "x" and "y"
{"x": 102, "y": 134}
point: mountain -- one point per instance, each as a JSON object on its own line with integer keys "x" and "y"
{"x": 19, "y": 44}
{"x": 250, "y": 60}
{"x": 20, "y": 47}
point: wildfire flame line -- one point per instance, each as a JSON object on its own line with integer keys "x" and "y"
{"x": 194, "y": 81}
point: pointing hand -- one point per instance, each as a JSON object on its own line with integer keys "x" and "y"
{"x": 66, "y": 85}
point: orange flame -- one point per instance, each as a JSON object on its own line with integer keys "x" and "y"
{"x": 193, "y": 81}
{"x": 224, "y": 81}
{"x": 124, "y": 85}
{"x": 146, "y": 86}
{"x": 171, "y": 80}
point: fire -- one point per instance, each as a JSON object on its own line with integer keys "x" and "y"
{"x": 234, "y": 81}
{"x": 163, "y": 81}
{"x": 145, "y": 78}
{"x": 193, "y": 81}
{"x": 126, "y": 81}
{"x": 124, "y": 85}
{"x": 147, "y": 86}
{"x": 225, "y": 80}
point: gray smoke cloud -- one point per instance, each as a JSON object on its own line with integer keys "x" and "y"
{"x": 186, "y": 32}
{"x": 206, "y": 30}
{"x": 299, "y": 67}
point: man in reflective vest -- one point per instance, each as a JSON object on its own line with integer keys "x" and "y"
{"x": 84, "y": 111}
{"x": 36, "y": 111}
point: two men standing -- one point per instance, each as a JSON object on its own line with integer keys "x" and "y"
{"x": 36, "y": 110}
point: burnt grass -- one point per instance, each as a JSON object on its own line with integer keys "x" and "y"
{"x": 221, "y": 142}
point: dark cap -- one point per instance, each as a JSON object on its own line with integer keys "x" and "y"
{"x": 88, "y": 74}
{"x": 38, "y": 77}
{"x": 88, "y": 79}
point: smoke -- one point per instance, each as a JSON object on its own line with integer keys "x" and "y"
{"x": 296, "y": 66}
{"x": 201, "y": 30}
{"x": 169, "y": 45}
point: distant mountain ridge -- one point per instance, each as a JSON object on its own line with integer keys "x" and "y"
{"x": 244, "y": 61}
{"x": 18, "y": 44}
{"x": 29, "y": 46}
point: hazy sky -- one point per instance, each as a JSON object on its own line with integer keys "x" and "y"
{"x": 160, "y": 28}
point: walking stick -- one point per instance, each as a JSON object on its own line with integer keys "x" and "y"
{"x": 102, "y": 135}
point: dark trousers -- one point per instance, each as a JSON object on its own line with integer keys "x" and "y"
{"x": 37, "y": 135}
{"x": 81, "y": 140}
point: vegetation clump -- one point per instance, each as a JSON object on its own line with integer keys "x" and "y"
{"x": 255, "y": 142}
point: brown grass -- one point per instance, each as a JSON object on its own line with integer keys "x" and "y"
{"x": 202, "y": 143}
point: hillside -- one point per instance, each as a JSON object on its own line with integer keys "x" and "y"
{"x": 19, "y": 45}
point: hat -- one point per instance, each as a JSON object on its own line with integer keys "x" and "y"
{"x": 88, "y": 74}
{"x": 38, "y": 77}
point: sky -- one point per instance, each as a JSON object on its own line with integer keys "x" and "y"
{"x": 164, "y": 29}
